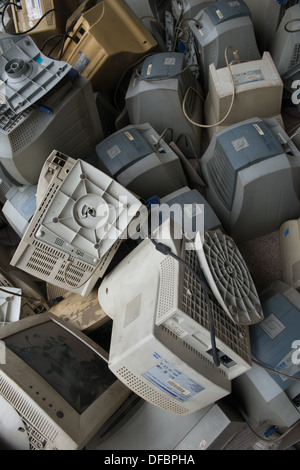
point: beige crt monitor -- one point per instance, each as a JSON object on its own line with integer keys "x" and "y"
{"x": 161, "y": 345}
{"x": 290, "y": 252}
{"x": 77, "y": 227}
{"x": 105, "y": 42}
{"x": 31, "y": 12}
{"x": 57, "y": 380}
{"x": 258, "y": 92}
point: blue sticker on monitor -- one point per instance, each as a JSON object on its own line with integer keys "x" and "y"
{"x": 169, "y": 378}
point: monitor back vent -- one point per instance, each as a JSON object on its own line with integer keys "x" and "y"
{"x": 9, "y": 120}
{"x": 167, "y": 296}
{"x": 195, "y": 306}
{"x": 296, "y": 56}
{"x": 147, "y": 393}
{"x": 133, "y": 310}
{"x": 38, "y": 427}
{"x": 25, "y": 133}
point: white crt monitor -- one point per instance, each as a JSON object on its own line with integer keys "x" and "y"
{"x": 65, "y": 118}
{"x": 141, "y": 161}
{"x": 252, "y": 177}
{"x": 285, "y": 47}
{"x": 58, "y": 381}
{"x": 258, "y": 92}
{"x": 223, "y": 23}
{"x": 156, "y": 96}
{"x": 161, "y": 346}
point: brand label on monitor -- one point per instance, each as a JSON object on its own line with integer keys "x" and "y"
{"x": 81, "y": 63}
{"x": 287, "y": 366}
{"x": 248, "y": 77}
{"x": 34, "y": 10}
{"x": 240, "y": 143}
{"x": 128, "y": 135}
{"x": 171, "y": 380}
{"x": 272, "y": 326}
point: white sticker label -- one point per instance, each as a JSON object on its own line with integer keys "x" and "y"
{"x": 34, "y": 10}
{"x": 149, "y": 68}
{"x": 240, "y": 143}
{"x": 219, "y": 13}
{"x": 272, "y": 326}
{"x": 248, "y": 77}
{"x": 169, "y": 61}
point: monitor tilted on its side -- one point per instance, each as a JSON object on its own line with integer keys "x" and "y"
{"x": 78, "y": 225}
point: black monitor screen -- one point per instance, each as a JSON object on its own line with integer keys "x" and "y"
{"x": 66, "y": 363}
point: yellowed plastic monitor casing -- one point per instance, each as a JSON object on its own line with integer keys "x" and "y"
{"x": 258, "y": 92}
{"x": 107, "y": 40}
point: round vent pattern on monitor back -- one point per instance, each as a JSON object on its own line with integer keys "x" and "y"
{"x": 229, "y": 278}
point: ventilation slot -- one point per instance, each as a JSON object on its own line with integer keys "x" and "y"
{"x": 222, "y": 176}
{"x": 73, "y": 274}
{"x": 146, "y": 392}
{"x": 40, "y": 430}
{"x": 10, "y": 120}
{"x": 133, "y": 310}
{"x": 296, "y": 56}
{"x": 25, "y": 132}
{"x": 41, "y": 263}
{"x": 167, "y": 294}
